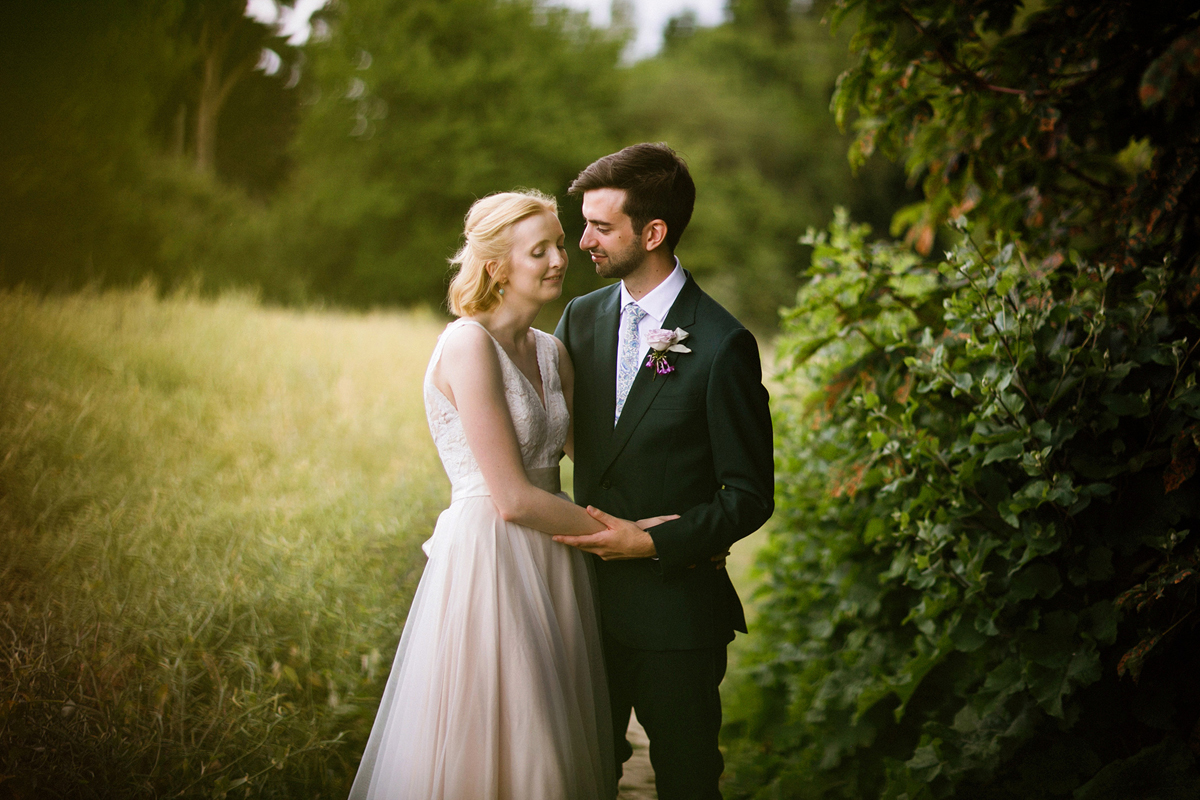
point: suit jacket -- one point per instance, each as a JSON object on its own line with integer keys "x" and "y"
{"x": 696, "y": 442}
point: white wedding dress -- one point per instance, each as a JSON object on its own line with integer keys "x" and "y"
{"x": 498, "y": 690}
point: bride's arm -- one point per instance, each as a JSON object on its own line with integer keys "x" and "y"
{"x": 470, "y": 369}
{"x": 566, "y": 376}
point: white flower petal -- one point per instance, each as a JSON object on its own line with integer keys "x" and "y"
{"x": 678, "y": 348}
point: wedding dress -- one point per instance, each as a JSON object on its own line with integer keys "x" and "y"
{"x": 497, "y": 691}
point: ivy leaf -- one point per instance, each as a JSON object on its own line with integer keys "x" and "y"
{"x": 1005, "y": 451}
{"x": 909, "y": 677}
{"x": 1127, "y": 405}
{"x": 925, "y": 762}
{"x": 1037, "y": 579}
{"x": 1102, "y": 618}
{"x": 967, "y": 637}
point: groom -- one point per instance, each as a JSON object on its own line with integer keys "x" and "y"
{"x": 689, "y": 434}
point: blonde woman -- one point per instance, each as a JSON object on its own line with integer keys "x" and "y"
{"x": 498, "y": 687}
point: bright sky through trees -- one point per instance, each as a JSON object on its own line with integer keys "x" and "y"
{"x": 651, "y": 16}
{"x": 295, "y": 18}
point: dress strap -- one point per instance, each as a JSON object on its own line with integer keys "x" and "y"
{"x": 441, "y": 342}
{"x": 550, "y": 342}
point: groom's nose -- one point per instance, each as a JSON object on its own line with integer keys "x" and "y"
{"x": 587, "y": 241}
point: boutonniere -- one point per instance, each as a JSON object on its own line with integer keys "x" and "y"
{"x": 663, "y": 341}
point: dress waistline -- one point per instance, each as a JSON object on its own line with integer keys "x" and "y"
{"x": 546, "y": 478}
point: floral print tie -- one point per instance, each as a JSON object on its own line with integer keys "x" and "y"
{"x": 627, "y": 363}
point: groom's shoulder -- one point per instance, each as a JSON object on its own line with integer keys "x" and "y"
{"x": 592, "y": 301}
{"x": 715, "y": 315}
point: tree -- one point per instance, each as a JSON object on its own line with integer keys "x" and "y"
{"x": 414, "y": 109}
{"x": 228, "y": 45}
{"x": 986, "y": 576}
{"x": 79, "y": 86}
{"x": 89, "y": 187}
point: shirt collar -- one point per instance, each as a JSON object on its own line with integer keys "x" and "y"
{"x": 658, "y": 301}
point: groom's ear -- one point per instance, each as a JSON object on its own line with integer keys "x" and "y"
{"x": 654, "y": 234}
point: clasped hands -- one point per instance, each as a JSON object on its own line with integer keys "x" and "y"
{"x": 622, "y": 539}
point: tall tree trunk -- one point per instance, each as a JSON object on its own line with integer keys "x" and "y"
{"x": 214, "y": 91}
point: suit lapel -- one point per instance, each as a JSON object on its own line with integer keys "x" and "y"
{"x": 605, "y": 356}
{"x": 646, "y": 385}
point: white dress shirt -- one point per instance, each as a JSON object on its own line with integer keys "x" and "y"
{"x": 656, "y": 303}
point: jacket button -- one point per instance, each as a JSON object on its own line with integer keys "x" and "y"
{"x": 606, "y": 484}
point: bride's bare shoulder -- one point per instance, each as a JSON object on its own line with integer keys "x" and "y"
{"x": 468, "y": 344}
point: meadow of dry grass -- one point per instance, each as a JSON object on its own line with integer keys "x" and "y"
{"x": 209, "y": 522}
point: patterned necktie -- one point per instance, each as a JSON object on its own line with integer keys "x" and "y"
{"x": 627, "y": 362}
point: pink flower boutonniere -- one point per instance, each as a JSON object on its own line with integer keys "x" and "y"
{"x": 663, "y": 341}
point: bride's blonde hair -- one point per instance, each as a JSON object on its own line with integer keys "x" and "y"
{"x": 488, "y": 235}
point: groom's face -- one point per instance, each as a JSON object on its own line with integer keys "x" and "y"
{"x": 608, "y": 236}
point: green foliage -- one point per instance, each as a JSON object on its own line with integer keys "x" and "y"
{"x": 344, "y": 177}
{"x": 70, "y": 148}
{"x": 747, "y": 103}
{"x": 986, "y": 467}
{"x": 94, "y": 183}
{"x": 1019, "y": 113}
{"x": 417, "y": 108}
{"x": 984, "y": 577}
{"x": 209, "y": 525}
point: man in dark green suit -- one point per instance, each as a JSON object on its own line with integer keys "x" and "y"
{"x": 684, "y": 430}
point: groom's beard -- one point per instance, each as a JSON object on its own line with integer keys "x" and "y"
{"x": 620, "y": 265}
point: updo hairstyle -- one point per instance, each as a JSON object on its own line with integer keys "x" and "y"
{"x": 488, "y": 234}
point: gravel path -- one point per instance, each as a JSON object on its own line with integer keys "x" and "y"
{"x": 637, "y": 780}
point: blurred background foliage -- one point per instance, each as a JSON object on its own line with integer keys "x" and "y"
{"x": 148, "y": 139}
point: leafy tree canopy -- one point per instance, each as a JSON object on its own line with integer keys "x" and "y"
{"x": 417, "y": 108}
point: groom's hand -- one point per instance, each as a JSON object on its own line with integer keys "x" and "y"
{"x": 621, "y": 539}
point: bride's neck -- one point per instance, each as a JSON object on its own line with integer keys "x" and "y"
{"x": 508, "y": 324}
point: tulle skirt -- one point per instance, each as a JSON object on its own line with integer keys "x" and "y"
{"x": 498, "y": 690}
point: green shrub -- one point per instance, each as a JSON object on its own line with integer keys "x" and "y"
{"x": 983, "y": 577}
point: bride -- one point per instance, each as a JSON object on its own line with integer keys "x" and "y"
{"x": 498, "y": 687}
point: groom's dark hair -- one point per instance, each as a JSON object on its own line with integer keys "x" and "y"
{"x": 656, "y": 182}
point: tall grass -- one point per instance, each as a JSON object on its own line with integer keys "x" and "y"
{"x": 210, "y": 515}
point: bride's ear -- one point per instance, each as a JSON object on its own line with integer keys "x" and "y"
{"x": 493, "y": 271}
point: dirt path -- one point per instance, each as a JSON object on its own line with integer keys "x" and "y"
{"x": 637, "y": 781}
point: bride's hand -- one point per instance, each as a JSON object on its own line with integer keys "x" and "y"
{"x": 650, "y": 522}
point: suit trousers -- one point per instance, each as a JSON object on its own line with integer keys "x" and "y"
{"x": 676, "y": 696}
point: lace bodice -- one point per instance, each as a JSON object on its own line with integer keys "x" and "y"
{"x": 541, "y": 431}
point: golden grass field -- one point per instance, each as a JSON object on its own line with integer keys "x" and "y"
{"x": 210, "y": 519}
